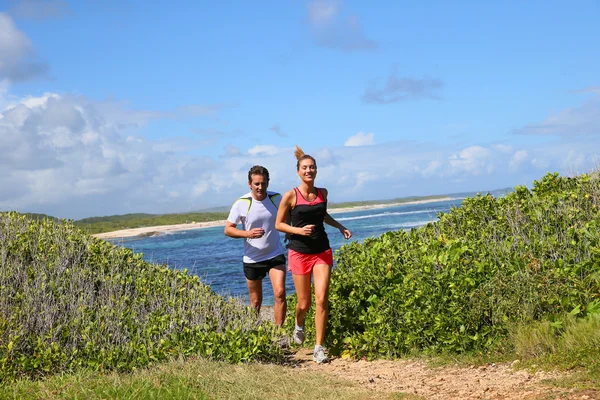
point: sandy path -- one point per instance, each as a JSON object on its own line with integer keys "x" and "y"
{"x": 161, "y": 229}
{"x": 413, "y": 377}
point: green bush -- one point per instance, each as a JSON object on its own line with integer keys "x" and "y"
{"x": 69, "y": 301}
{"x": 568, "y": 341}
{"x": 458, "y": 284}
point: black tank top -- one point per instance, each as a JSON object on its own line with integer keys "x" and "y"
{"x": 306, "y": 213}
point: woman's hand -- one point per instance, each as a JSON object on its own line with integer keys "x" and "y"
{"x": 306, "y": 230}
{"x": 345, "y": 232}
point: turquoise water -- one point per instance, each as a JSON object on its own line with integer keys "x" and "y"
{"x": 217, "y": 259}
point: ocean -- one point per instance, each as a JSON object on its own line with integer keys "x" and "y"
{"x": 217, "y": 259}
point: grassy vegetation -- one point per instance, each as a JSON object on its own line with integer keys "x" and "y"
{"x": 570, "y": 343}
{"x": 36, "y": 216}
{"x": 70, "y": 301}
{"x": 197, "y": 379}
{"x": 516, "y": 277}
{"x": 463, "y": 285}
{"x": 117, "y": 222}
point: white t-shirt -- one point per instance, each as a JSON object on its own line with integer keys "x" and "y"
{"x": 252, "y": 213}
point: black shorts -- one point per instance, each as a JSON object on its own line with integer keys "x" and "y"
{"x": 256, "y": 271}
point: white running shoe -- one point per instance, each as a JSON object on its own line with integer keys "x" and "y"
{"x": 298, "y": 336}
{"x": 319, "y": 355}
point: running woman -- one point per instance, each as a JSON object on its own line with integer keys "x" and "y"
{"x": 309, "y": 253}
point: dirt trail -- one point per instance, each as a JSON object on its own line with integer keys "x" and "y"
{"x": 495, "y": 381}
{"x": 413, "y": 377}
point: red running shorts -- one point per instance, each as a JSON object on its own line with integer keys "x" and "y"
{"x": 302, "y": 264}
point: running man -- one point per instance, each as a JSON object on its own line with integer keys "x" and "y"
{"x": 263, "y": 252}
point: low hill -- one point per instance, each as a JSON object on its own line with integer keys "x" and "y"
{"x": 71, "y": 301}
{"x": 520, "y": 271}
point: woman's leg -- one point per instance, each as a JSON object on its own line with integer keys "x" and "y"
{"x": 322, "y": 273}
{"x": 302, "y": 285}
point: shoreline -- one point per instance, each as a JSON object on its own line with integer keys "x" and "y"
{"x": 386, "y": 205}
{"x": 162, "y": 229}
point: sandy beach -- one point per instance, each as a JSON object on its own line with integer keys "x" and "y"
{"x": 157, "y": 230}
{"x": 375, "y": 206}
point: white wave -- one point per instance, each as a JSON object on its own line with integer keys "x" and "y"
{"x": 388, "y": 214}
{"x": 403, "y": 225}
{"x": 415, "y": 224}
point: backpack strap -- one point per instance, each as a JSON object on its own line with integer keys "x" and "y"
{"x": 248, "y": 200}
{"x": 272, "y": 197}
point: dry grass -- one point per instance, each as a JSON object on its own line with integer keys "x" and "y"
{"x": 195, "y": 379}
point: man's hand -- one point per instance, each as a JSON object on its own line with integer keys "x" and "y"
{"x": 255, "y": 233}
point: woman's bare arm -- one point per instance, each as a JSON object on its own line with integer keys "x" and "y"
{"x": 329, "y": 220}
{"x": 282, "y": 222}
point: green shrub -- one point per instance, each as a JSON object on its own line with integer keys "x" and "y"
{"x": 458, "y": 284}
{"x": 568, "y": 341}
{"x": 69, "y": 300}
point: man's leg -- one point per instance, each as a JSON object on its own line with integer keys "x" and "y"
{"x": 322, "y": 274}
{"x": 255, "y": 291}
{"x": 277, "y": 276}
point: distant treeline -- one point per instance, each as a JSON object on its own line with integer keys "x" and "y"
{"x": 129, "y": 221}
{"x": 139, "y": 220}
{"x": 37, "y": 217}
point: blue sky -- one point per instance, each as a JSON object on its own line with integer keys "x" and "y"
{"x": 127, "y": 106}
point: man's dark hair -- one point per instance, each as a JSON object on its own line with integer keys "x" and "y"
{"x": 258, "y": 170}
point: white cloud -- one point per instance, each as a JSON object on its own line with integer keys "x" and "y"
{"x": 475, "y": 160}
{"x": 71, "y": 157}
{"x": 432, "y": 168}
{"x": 402, "y": 89}
{"x": 360, "y": 139}
{"x": 363, "y": 177}
{"x": 504, "y": 148}
{"x": 327, "y": 158}
{"x": 39, "y": 9}
{"x": 540, "y": 163}
{"x": 231, "y": 150}
{"x": 574, "y": 161}
{"x": 336, "y": 31}
{"x": 200, "y": 188}
{"x": 74, "y": 157}
{"x": 517, "y": 159}
{"x": 592, "y": 89}
{"x": 322, "y": 11}
{"x": 18, "y": 61}
{"x": 267, "y": 150}
{"x": 583, "y": 120}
